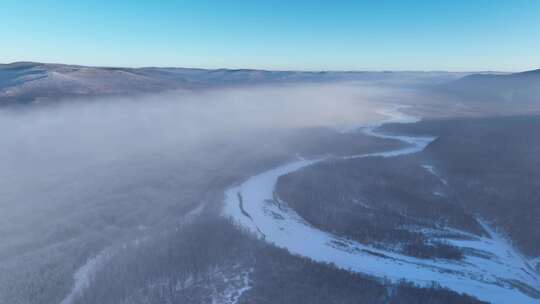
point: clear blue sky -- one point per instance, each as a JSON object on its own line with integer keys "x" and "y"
{"x": 309, "y": 35}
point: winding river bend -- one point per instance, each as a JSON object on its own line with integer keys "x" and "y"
{"x": 499, "y": 275}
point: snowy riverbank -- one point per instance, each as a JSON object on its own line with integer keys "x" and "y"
{"x": 499, "y": 275}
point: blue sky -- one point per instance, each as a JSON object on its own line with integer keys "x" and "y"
{"x": 308, "y": 35}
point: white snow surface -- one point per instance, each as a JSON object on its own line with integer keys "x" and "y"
{"x": 431, "y": 169}
{"x": 84, "y": 275}
{"x": 492, "y": 270}
{"x": 240, "y": 285}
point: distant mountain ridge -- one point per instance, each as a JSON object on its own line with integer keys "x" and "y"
{"x": 514, "y": 87}
{"x": 24, "y": 82}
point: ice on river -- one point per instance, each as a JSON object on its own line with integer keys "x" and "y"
{"x": 492, "y": 269}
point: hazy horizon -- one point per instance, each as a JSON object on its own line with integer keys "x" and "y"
{"x": 266, "y": 69}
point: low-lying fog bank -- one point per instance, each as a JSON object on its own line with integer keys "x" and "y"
{"x": 82, "y": 175}
{"x": 85, "y": 182}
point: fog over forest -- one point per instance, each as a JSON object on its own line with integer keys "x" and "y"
{"x": 86, "y": 174}
{"x": 115, "y": 198}
{"x": 84, "y": 132}
{"x": 269, "y": 152}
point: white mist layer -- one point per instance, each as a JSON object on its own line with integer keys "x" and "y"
{"x": 69, "y": 171}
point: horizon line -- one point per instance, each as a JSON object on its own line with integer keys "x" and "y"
{"x": 268, "y": 70}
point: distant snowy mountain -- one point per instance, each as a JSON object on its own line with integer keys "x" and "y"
{"x": 34, "y": 81}
{"x": 24, "y": 82}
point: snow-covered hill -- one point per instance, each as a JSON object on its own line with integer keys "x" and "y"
{"x": 29, "y": 81}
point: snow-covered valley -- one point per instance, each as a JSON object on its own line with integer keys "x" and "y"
{"x": 491, "y": 270}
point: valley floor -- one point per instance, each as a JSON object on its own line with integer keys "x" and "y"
{"x": 491, "y": 270}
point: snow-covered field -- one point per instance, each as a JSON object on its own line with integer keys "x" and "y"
{"x": 492, "y": 269}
